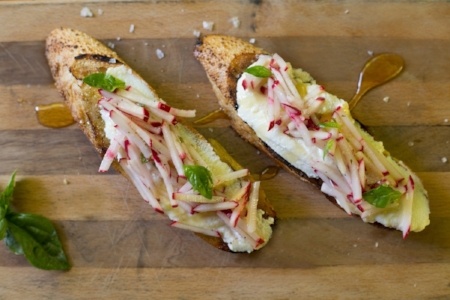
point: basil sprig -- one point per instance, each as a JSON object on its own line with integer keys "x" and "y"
{"x": 259, "y": 71}
{"x": 382, "y": 196}
{"x": 200, "y": 178}
{"x": 104, "y": 81}
{"x": 330, "y": 124}
{"x": 30, "y": 235}
{"x": 330, "y": 144}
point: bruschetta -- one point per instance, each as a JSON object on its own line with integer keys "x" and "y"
{"x": 173, "y": 167}
{"x": 311, "y": 133}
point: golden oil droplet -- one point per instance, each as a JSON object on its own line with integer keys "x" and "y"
{"x": 268, "y": 173}
{"x": 211, "y": 117}
{"x": 55, "y": 115}
{"x": 378, "y": 70}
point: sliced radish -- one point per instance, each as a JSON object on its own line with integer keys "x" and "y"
{"x": 204, "y": 207}
{"x": 202, "y": 230}
{"x": 197, "y": 198}
{"x": 252, "y": 206}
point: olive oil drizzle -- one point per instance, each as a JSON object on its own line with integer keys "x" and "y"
{"x": 54, "y": 115}
{"x": 267, "y": 173}
{"x": 378, "y": 70}
{"x": 211, "y": 117}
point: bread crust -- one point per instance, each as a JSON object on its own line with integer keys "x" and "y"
{"x": 68, "y": 51}
{"x": 72, "y": 55}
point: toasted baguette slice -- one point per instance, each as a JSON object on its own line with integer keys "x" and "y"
{"x": 311, "y": 133}
{"x": 172, "y": 166}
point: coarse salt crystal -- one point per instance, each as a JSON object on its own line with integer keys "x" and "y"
{"x": 446, "y": 120}
{"x": 208, "y": 25}
{"x": 86, "y": 12}
{"x": 100, "y": 11}
{"x": 444, "y": 160}
{"x": 252, "y": 40}
{"x": 131, "y": 28}
{"x": 386, "y": 99}
{"x": 376, "y": 244}
{"x": 111, "y": 45}
{"x": 159, "y": 53}
{"x": 65, "y": 181}
{"x": 235, "y": 21}
{"x": 370, "y": 52}
{"x": 196, "y": 33}
{"x": 346, "y": 11}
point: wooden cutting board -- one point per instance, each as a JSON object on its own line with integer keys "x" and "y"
{"x": 120, "y": 248}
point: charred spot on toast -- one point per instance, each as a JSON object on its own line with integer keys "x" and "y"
{"x": 86, "y": 64}
{"x": 98, "y": 57}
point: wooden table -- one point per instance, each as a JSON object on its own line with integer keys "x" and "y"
{"x": 120, "y": 248}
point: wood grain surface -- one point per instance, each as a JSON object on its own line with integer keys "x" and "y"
{"x": 120, "y": 248}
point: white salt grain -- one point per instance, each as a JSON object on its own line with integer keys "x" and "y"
{"x": 131, "y": 28}
{"x": 100, "y": 11}
{"x": 252, "y": 40}
{"x": 208, "y": 25}
{"x": 111, "y": 45}
{"x": 86, "y": 12}
{"x": 235, "y": 21}
{"x": 159, "y": 53}
{"x": 196, "y": 33}
{"x": 370, "y": 52}
{"x": 386, "y": 99}
{"x": 444, "y": 160}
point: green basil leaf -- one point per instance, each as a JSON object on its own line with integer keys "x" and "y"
{"x": 36, "y": 237}
{"x": 5, "y": 199}
{"x": 12, "y": 243}
{"x": 259, "y": 71}
{"x": 330, "y": 124}
{"x": 327, "y": 147}
{"x": 3, "y": 228}
{"x": 6, "y": 195}
{"x": 200, "y": 178}
{"x": 382, "y": 196}
{"x": 104, "y": 81}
